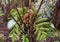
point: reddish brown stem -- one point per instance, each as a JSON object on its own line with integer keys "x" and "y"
{"x": 17, "y": 22}
{"x": 19, "y": 15}
{"x": 40, "y": 6}
{"x": 38, "y": 11}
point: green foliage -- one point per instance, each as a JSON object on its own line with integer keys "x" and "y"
{"x": 40, "y": 20}
{"x": 43, "y": 29}
{"x": 15, "y": 30}
{"x": 14, "y": 34}
{"x": 14, "y": 13}
{"x": 41, "y": 25}
{"x": 20, "y": 11}
{"x": 25, "y": 38}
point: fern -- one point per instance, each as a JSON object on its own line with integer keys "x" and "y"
{"x": 14, "y": 34}
{"x": 43, "y": 29}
